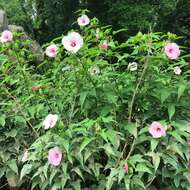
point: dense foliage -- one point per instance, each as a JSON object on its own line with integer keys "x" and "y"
{"x": 46, "y": 19}
{"x": 106, "y": 99}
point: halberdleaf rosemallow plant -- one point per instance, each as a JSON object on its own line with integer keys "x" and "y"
{"x": 98, "y": 114}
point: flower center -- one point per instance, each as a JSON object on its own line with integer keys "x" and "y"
{"x": 52, "y": 50}
{"x": 51, "y": 122}
{"x": 56, "y": 155}
{"x": 158, "y": 129}
{"x": 73, "y": 44}
{"x": 83, "y": 21}
{"x": 170, "y": 50}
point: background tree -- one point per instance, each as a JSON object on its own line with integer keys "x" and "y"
{"x": 45, "y": 19}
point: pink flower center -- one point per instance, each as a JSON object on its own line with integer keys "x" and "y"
{"x": 83, "y": 21}
{"x": 52, "y": 50}
{"x": 6, "y": 36}
{"x": 73, "y": 44}
{"x": 51, "y": 122}
{"x": 170, "y": 50}
{"x": 158, "y": 129}
{"x": 56, "y": 155}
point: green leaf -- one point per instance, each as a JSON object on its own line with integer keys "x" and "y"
{"x": 76, "y": 185}
{"x": 85, "y": 143}
{"x": 53, "y": 173}
{"x": 171, "y": 110}
{"x": 3, "y": 58}
{"x": 78, "y": 171}
{"x": 156, "y": 160}
{"x": 2, "y": 120}
{"x": 111, "y": 179}
{"x": 65, "y": 144}
{"x": 132, "y": 128}
{"x": 164, "y": 95}
{"x": 25, "y": 170}
{"x": 12, "y": 133}
{"x": 154, "y": 143}
{"x": 121, "y": 175}
{"x": 181, "y": 90}
{"x": 139, "y": 182}
{"x": 13, "y": 165}
{"x": 127, "y": 183}
{"x": 83, "y": 96}
{"x": 2, "y": 172}
{"x": 143, "y": 168}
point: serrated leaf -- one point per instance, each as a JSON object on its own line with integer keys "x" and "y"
{"x": 78, "y": 171}
{"x": 154, "y": 143}
{"x": 85, "y": 143}
{"x": 83, "y": 96}
{"x": 164, "y": 95}
{"x": 127, "y": 183}
{"x": 181, "y": 90}
{"x": 143, "y": 168}
{"x": 132, "y": 128}
{"x": 171, "y": 111}
{"x": 2, "y": 120}
{"x": 121, "y": 175}
{"x": 25, "y": 170}
{"x": 53, "y": 173}
{"x": 13, "y": 165}
{"x": 156, "y": 160}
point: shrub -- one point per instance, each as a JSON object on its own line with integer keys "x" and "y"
{"x": 105, "y": 115}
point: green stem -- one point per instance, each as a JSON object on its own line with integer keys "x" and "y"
{"x": 139, "y": 82}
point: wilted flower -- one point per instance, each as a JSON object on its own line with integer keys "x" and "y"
{"x": 104, "y": 45}
{"x": 83, "y": 20}
{"x": 94, "y": 70}
{"x": 6, "y": 36}
{"x": 177, "y": 70}
{"x": 157, "y": 130}
{"x": 72, "y": 42}
{"x": 51, "y": 51}
{"x": 172, "y": 50}
{"x": 25, "y": 156}
{"x": 126, "y": 167}
{"x": 54, "y": 156}
{"x": 132, "y": 66}
{"x": 50, "y": 121}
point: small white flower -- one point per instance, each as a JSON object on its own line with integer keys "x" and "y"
{"x": 94, "y": 70}
{"x": 72, "y": 42}
{"x": 177, "y": 70}
{"x": 50, "y": 121}
{"x": 25, "y": 156}
{"x": 132, "y": 66}
{"x": 83, "y": 20}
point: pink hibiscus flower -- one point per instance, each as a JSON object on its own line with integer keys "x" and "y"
{"x": 6, "y": 36}
{"x": 172, "y": 50}
{"x": 72, "y": 42}
{"x": 50, "y": 121}
{"x": 83, "y": 20}
{"x": 51, "y": 51}
{"x": 157, "y": 130}
{"x": 54, "y": 156}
